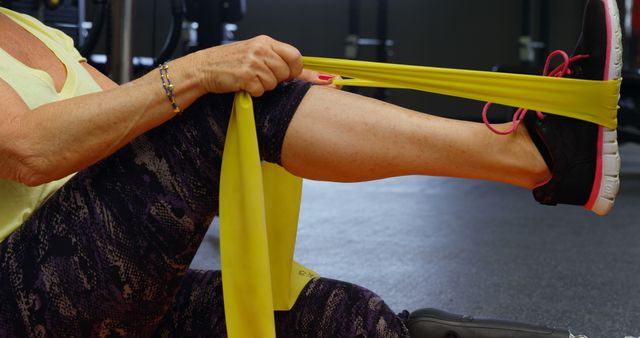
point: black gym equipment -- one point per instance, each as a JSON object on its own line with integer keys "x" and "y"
{"x": 534, "y": 37}
{"x": 178, "y": 11}
{"x": 211, "y": 16}
{"x": 35, "y": 4}
{"x": 355, "y": 42}
{"x": 629, "y": 113}
{"x": 533, "y": 40}
{"x": 66, "y": 15}
{"x": 631, "y": 28}
{"x": 90, "y": 41}
{"x": 52, "y": 4}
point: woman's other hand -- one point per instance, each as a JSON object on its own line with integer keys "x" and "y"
{"x": 319, "y": 78}
{"x": 256, "y": 65}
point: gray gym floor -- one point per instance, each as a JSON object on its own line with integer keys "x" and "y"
{"x": 477, "y": 248}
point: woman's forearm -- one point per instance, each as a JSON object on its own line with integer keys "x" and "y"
{"x": 63, "y": 137}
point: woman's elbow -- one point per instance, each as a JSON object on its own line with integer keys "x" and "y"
{"x": 22, "y": 157}
{"x": 19, "y": 171}
{"x": 27, "y": 167}
{"x": 30, "y": 172}
{"x": 33, "y": 178}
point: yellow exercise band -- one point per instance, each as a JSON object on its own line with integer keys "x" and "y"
{"x": 592, "y": 101}
{"x": 259, "y": 206}
{"x": 260, "y": 203}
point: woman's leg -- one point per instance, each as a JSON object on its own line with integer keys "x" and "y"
{"x": 197, "y": 309}
{"x": 325, "y": 308}
{"x": 331, "y": 308}
{"x": 339, "y": 136}
{"x": 106, "y": 254}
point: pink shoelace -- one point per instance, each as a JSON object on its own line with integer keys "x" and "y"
{"x": 560, "y": 71}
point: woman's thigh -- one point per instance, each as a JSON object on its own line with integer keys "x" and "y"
{"x": 107, "y": 252}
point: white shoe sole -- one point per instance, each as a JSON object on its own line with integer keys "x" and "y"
{"x": 607, "y": 183}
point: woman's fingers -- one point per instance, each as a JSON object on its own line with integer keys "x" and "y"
{"x": 291, "y": 56}
{"x": 315, "y": 77}
{"x": 319, "y": 78}
{"x": 256, "y": 65}
{"x": 255, "y": 88}
{"x": 278, "y": 67}
{"x": 267, "y": 79}
{"x": 269, "y": 71}
{"x": 276, "y": 62}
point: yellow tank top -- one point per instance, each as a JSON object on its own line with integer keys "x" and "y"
{"x": 36, "y": 88}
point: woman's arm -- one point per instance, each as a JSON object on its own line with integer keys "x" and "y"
{"x": 103, "y": 81}
{"x": 55, "y": 140}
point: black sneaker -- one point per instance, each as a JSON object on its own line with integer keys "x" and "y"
{"x": 583, "y": 157}
{"x": 432, "y": 323}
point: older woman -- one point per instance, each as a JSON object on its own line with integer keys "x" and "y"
{"x": 106, "y": 192}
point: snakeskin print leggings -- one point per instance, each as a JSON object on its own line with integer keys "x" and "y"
{"x": 109, "y": 253}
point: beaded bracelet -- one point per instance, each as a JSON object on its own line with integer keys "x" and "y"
{"x": 168, "y": 87}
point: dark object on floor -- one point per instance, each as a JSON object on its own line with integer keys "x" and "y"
{"x": 434, "y": 323}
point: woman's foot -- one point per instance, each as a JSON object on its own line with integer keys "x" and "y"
{"x": 583, "y": 157}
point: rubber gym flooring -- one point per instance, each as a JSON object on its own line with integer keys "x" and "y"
{"x": 478, "y": 248}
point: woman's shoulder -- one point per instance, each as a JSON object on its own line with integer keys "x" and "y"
{"x": 24, "y": 19}
{"x": 39, "y": 29}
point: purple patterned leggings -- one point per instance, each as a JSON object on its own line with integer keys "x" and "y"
{"x": 109, "y": 253}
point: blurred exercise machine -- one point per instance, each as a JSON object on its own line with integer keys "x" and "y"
{"x": 205, "y": 23}
{"x": 629, "y": 114}
{"x": 354, "y": 43}
{"x": 69, "y": 17}
{"x": 64, "y": 15}
{"x": 534, "y": 37}
{"x": 215, "y": 20}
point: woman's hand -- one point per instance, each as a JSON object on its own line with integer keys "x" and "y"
{"x": 256, "y": 65}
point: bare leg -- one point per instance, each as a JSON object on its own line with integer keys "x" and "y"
{"x": 339, "y": 136}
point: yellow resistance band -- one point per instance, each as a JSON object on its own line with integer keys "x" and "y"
{"x": 259, "y": 207}
{"x": 592, "y": 101}
{"x": 259, "y": 203}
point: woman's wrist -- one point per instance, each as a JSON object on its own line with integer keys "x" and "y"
{"x": 185, "y": 82}
{"x": 193, "y": 72}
